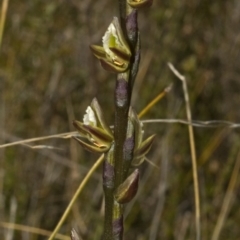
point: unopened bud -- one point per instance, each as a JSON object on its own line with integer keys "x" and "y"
{"x": 94, "y": 129}
{"x": 128, "y": 189}
{"x": 144, "y": 148}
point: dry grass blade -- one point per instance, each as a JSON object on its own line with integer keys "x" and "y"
{"x": 194, "y": 123}
{"x": 227, "y": 200}
{"x": 193, "y": 151}
{"x": 154, "y": 101}
{"x": 76, "y": 195}
{"x": 44, "y": 147}
{"x": 2, "y": 19}
{"x": 33, "y": 230}
{"x": 61, "y": 135}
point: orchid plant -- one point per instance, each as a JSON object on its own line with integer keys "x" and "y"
{"x": 123, "y": 146}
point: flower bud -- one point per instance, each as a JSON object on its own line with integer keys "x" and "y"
{"x": 94, "y": 129}
{"x": 115, "y": 53}
{"x": 128, "y": 189}
{"x": 141, "y": 147}
{"x": 114, "y": 43}
{"x": 144, "y": 148}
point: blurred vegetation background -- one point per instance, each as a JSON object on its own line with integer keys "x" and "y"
{"x": 47, "y": 79}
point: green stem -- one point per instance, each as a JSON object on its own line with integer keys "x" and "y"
{"x": 108, "y": 232}
{"x": 122, "y": 12}
{"x": 113, "y": 227}
{"x": 123, "y": 92}
{"x": 122, "y": 104}
{"x": 108, "y": 187}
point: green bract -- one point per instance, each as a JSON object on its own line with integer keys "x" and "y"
{"x": 141, "y": 147}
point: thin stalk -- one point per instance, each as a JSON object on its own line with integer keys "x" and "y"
{"x": 29, "y": 140}
{"x": 193, "y": 152}
{"x": 122, "y": 104}
{"x": 155, "y": 101}
{"x": 124, "y": 87}
{"x": 3, "y": 18}
{"x": 113, "y": 227}
{"x": 108, "y": 187}
{"x": 108, "y": 233}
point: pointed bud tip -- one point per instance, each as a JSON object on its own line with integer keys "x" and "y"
{"x": 145, "y": 147}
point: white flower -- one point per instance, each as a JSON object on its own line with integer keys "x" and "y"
{"x": 115, "y": 53}
{"x": 110, "y": 39}
{"x": 113, "y": 38}
{"x": 94, "y": 129}
{"x": 89, "y": 118}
